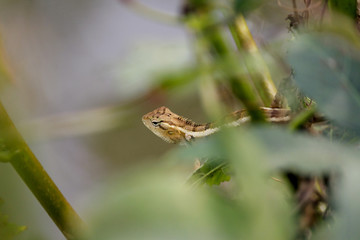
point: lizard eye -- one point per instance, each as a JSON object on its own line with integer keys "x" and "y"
{"x": 156, "y": 123}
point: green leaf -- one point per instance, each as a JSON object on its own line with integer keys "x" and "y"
{"x": 139, "y": 71}
{"x": 245, "y": 6}
{"x": 155, "y": 204}
{"x": 278, "y": 148}
{"x": 347, "y": 199}
{"x": 8, "y": 230}
{"x": 288, "y": 94}
{"x": 252, "y": 188}
{"x": 306, "y": 154}
{"x": 175, "y": 79}
{"x": 327, "y": 69}
{"x": 302, "y": 152}
{"x": 347, "y": 7}
{"x": 212, "y": 172}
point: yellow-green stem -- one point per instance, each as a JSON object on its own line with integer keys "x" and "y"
{"x": 36, "y": 178}
{"x": 258, "y": 72}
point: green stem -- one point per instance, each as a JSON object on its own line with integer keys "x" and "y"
{"x": 243, "y": 90}
{"x": 301, "y": 119}
{"x": 213, "y": 44}
{"x": 36, "y": 178}
{"x": 241, "y": 87}
{"x": 258, "y": 72}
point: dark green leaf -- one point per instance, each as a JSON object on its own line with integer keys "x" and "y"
{"x": 212, "y": 172}
{"x": 280, "y": 148}
{"x": 245, "y": 6}
{"x": 347, "y": 201}
{"x": 289, "y": 95}
{"x": 327, "y": 70}
{"x": 176, "y": 79}
{"x": 302, "y": 152}
{"x": 347, "y": 7}
{"x": 155, "y": 204}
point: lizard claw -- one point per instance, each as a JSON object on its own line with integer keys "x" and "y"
{"x": 188, "y": 137}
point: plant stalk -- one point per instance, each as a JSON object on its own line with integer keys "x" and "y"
{"x": 258, "y": 69}
{"x": 36, "y": 178}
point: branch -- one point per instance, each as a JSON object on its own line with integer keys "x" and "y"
{"x": 35, "y": 177}
{"x": 259, "y": 73}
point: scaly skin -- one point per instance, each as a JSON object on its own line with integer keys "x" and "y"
{"x": 176, "y": 129}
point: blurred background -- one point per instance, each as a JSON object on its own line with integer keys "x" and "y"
{"x": 75, "y": 64}
{"x": 66, "y": 58}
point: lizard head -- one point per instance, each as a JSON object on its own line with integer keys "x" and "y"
{"x": 163, "y": 123}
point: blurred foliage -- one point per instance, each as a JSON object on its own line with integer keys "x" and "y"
{"x": 211, "y": 172}
{"x": 154, "y": 203}
{"x": 234, "y": 194}
{"x": 347, "y": 7}
{"x": 245, "y": 6}
{"x": 326, "y": 68}
{"x": 5, "y": 73}
{"x": 8, "y": 230}
{"x": 243, "y": 189}
{"x": 289, "y": 95}
{"x": 155, "y": 60}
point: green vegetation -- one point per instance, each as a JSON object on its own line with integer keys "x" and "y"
{"x": 259, "y": 181}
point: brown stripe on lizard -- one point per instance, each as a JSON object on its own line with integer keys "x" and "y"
{"x": 176, "y": 129}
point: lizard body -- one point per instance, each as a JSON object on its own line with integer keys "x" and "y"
{"x": 176, "y": 129}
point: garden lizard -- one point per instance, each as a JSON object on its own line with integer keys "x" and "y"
{"x": 176, "y": 129}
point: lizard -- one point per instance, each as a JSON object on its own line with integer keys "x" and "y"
{"x": 179, "y": 130}
{"x": 176, "y": 129}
